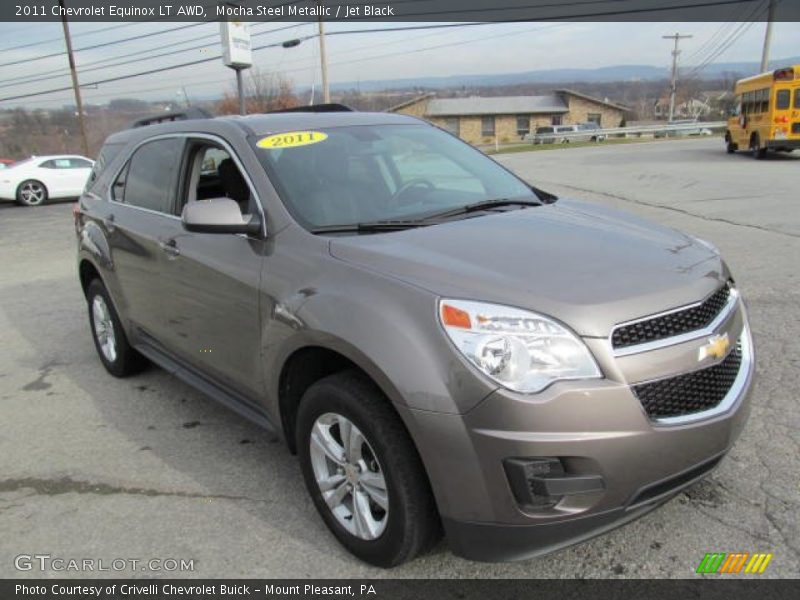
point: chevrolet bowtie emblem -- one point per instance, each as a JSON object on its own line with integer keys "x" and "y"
{"x": 717, "y": 347}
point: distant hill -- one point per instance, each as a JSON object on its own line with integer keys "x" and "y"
{"x": 559, "y": 76}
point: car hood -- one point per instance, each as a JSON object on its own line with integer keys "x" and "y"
{"x": 586, "y": 265}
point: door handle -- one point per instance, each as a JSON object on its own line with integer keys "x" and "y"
{"x": 169, "y": 247}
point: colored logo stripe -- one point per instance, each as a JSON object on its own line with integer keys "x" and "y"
{"x": 721, "y": 562}
{"x": 758, "y": 563}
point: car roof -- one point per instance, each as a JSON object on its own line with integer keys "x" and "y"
{"x": 267, "y": 123}
{"x": 55, "y": 156}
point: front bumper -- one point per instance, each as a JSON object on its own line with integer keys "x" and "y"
{"x": 597, "y": 430}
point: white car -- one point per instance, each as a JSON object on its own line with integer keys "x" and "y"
{"x": 33, "y": 181}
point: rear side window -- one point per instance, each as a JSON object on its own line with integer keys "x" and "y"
{"x": 149, "y": 179}
{"x": 107, "y": 154}
{"x": 782, "y": 99}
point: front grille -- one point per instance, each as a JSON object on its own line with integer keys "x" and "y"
{"x": 692, "y": 392}
{"x": 671, "y": 324}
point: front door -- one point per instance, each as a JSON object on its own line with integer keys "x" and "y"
{"x": 211, "y": 308}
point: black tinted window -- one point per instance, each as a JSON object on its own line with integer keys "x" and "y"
{"x": 107, "y": 154}
{"x": 151, "y": 176}
{"x": 782, "y": 99}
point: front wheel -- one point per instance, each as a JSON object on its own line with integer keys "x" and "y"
{"x": 31, "y": 193}
{"x": 363, "y": 471}
{"x": 730, "y": 146}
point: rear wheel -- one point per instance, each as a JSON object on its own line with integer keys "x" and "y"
{"x": 755, "y": 147}
{"x": 117, "y": 356}
{"x": 363, "y": 471}
{"x": 31, "y": 193}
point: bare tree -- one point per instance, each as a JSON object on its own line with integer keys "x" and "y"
{"x": 263, "y": 91}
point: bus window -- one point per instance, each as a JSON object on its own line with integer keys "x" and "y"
{"x": 782, "y": 98}
{"x": 797, "y": 97}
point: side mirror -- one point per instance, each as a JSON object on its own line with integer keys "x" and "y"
{"x": 218, "y": 215}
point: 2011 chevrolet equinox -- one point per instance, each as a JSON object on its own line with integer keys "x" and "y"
{"x": 443, "y": 345}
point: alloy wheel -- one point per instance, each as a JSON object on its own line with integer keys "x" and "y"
{"x": 349, "y": 476}
{"x": 104, "y": 329}
{"x": 32, "y": 193}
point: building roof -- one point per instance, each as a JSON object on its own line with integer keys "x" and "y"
{"x": 497, "y": 105}
{"x": 592, "y": 99}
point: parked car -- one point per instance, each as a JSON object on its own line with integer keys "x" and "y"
{"x": 5, "y": 163}
{"x": 591, "y": 130}
{"x": 443, "y": 345}
{"x": 553, "y": 135}
{"x": 33, "y": 181}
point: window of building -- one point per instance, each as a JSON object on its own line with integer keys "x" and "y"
{"x": 594, "y": 118}
{"x": 487, "y": 126}
{"x": 555, "y": 120}
{"x": 523, "y": 125}
{"x": 148, "y": 181}
{"x": 453, "y": 125}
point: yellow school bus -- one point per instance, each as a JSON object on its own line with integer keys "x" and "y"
{"x": 766, "y": 115}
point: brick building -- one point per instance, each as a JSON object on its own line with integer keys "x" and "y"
{"x": 479, "y": 119}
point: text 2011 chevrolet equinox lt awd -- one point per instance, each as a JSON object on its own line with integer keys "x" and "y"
{"x": 444, "y": 346}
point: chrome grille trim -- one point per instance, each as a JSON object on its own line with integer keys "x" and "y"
{"x": 723, "y": 315}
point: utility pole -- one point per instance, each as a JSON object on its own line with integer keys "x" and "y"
{"x": 677, "y": 37}
{"x": 326, "y": 92}
{"x": 75, "y": 86}
{"x": 768, "y": 36}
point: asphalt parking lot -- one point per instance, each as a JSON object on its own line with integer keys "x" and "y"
{"x": 95, "y": 467}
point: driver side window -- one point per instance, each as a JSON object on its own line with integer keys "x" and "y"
{"x": 213, "y": 173}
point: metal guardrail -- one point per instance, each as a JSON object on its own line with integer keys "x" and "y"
{"x": 637, "y": 131}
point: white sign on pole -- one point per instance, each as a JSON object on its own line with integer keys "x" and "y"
{"x": 236, "y": 49}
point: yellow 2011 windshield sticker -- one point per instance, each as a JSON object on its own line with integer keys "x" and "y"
{"x": 291, "y": 139}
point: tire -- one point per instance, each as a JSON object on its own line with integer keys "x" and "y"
{"x": 110, "y": 341}
{"x": 730, "y": 147}
{"x": 755, "y": 148}
{"x": 32, "y": 193}
{"x": 386, "y": 536}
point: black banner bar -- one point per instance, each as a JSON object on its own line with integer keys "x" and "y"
{"x": 702, "y": 588}
{"x": 398, "y": 10}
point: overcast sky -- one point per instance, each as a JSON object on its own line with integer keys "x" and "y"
{"x": 494, "y": 48}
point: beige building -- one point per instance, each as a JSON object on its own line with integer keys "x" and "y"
{"x": 481, "y": 120}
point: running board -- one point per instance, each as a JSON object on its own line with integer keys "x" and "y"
{"x": 230, "y": 399}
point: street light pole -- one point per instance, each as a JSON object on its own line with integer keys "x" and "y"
{"x": 240, "y": 91}
{"x": 768, "y": 37}
{"x": 75, "y": 86}
{"x": 326, "y": 93}
{"x": 677, "y": 37}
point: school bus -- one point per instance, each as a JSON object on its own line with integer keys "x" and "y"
{"x": 766, "y": 115}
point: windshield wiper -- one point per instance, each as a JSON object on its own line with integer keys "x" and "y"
{"x": 386, "y": 225}
{"x": 479, "y": 206}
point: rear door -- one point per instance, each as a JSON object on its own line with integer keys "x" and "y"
{"x": 139, "y": 221}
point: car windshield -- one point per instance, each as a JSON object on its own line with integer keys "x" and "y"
{"x": 362, "y": 174}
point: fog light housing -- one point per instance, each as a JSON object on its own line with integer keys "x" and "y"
{"x": 541, "y": 483}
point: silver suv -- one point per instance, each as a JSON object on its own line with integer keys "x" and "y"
{"x": 444, "y": 346}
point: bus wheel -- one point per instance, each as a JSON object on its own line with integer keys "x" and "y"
{"x": 730, "y": 146}
{"x": 755, "y": 148}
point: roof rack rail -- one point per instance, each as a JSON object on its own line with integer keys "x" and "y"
{"x": 329, "y": 107}
{"x": 185, "y": 115}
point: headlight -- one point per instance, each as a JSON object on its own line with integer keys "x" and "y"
{"x": 521, "y": 350}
